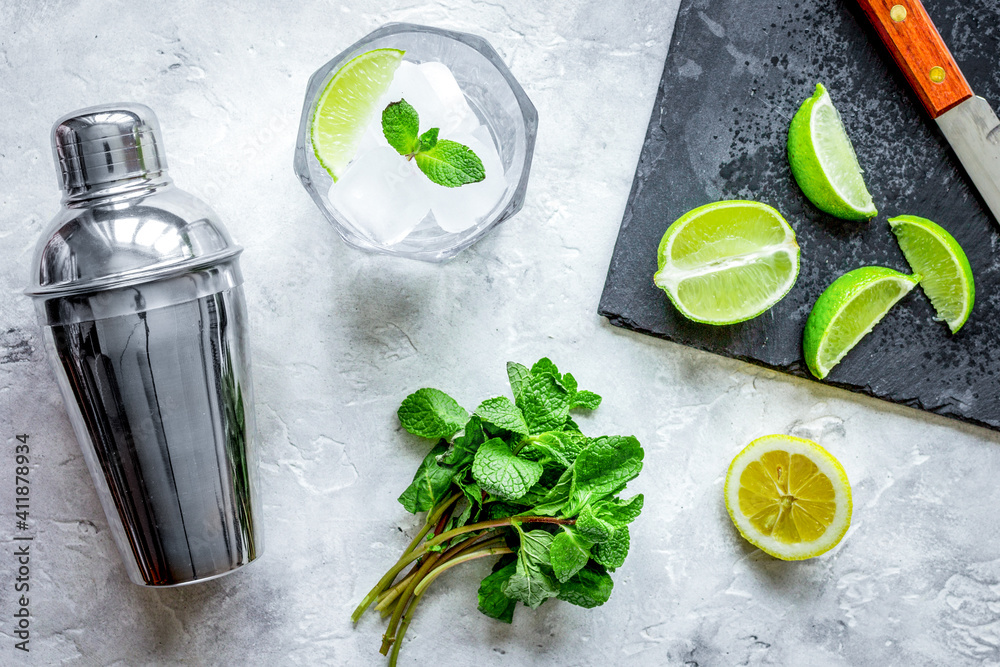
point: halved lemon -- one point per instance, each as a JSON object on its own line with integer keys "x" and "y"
{"x": 788, "y": 497}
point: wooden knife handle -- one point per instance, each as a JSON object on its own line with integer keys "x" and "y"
{"x": 915, "y": 45}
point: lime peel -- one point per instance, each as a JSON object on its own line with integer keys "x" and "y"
{"x": 848, "y": 310}
{"x": 823, "y": 160}
{"x": 347, "y": 105}
{"x": 727, "y": 261}
{"x": 946, "y": 273}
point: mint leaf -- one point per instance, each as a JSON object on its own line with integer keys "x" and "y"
{"x": 545, "y": 403}
{"x": 535, "y": 544}
{"x": 545, "y": 366}
{"x": 430, "y": 484}
{"x": 569, "y": 382}
{"x": 593, "y": 527}
{"x": 519, "y": 376}
{"x": 602, "y": 519}
{"x": 531, "y": 586}
{"x": 549, "y": 502}
{"x": 556, "y": 446}
{"x": 588, "y": 588}
{"x": 569, "y": 552}
{"x": 400, "y": 125}
{"x": 602, "y": 469}
{"x": 531, "y": 582}
{"x": 464, "y": 447}
{"x": 501, "y": 412}
{"x": 431, "y": 413}
{"x": 492, "y": 600}
{"x": 502, "y": 473}
{"x": 612, "y": 552}
{"x": 579, "y": 399}
{"x": 585, "y": 399}
{"x": 451, "y": 164}
{"x": 620, "y": 512}
{"x": 473, "y": 502}
{"x": 428, "y": 139}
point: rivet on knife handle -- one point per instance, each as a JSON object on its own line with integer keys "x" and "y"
{"x": 921, "y": 54}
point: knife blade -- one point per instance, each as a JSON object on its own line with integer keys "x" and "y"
{"x": 968, "y": 122}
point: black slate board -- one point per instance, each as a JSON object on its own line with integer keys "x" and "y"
{"x": 735, "y": 74}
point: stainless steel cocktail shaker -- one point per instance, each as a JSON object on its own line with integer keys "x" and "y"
{"x": 138, "y": 288}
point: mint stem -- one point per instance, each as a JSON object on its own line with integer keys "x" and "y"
{"x": 389, "y": 636}
{"x": 495, "y": 523}
{"x": 420, "y": 588}
{"x": 386, "y": 581}
{"x": 386, "y": 597}
{"x": 457, "y": 560}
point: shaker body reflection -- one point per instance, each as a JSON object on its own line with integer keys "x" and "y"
{"x": 139, "y": 290}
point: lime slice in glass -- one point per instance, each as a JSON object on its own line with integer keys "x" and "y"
{"x": 847, "y": 310}
{"x": 727, "y": 261}
{"x": 788, "y": 497}
{"x": 347, "y": 104}
{"x": 946, "y": 276}
{"x": 823, "y": 160}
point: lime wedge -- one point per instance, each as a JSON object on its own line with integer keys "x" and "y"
{"x": 788, "y": 497}
{"x": 823, "y": 160}
{"x": 727, "y": 261}
{"x": 347, "y": 104}
{"x": 847, "y": 310}
{"x": 946, "y": 276}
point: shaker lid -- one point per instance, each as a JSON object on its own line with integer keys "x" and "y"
{"x": 135, "y": 235}
{"x": 107, "y": 143}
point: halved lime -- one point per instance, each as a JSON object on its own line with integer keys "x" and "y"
{"x": 946, "y": 276}
{"x": 823, "y": 160}
{"x": 727, "y": 261}
{"x": 347, "y": 104}
{"x": 789, "y": 497}
{"x": 847, "y": 310}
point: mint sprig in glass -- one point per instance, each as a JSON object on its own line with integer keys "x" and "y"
{"x": 443, "y": 161}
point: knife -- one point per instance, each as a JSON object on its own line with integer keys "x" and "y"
{"x": 967, "y": 121}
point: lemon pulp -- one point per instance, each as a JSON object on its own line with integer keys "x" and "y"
{"x": 789, "y": 497}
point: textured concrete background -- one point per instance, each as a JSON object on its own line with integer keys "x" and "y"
{"x": 339, "y": 338}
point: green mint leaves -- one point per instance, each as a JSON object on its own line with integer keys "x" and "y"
{"x": 532, "y": 582}
{"x": 431, "y": 413}
{"x": 501, "y": 413}
{"x": 492, "y": 600}
{"x": 516, "y": 479}
{"x": 427, "y": 140}
{"x": 400, "y": 125}
{"x": 430, "y": 485}
{"x": 501, "y": 473}
{"x": 444, "y": 162}
{"x": 450, "y": 164}
{"x": 569, "y": 553}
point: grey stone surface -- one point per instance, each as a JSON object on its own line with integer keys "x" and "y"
{"x": 340, "y": 337}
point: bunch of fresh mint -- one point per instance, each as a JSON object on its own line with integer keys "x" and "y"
{"x": 443, "y": 161}
{"x": 515, "y": 463}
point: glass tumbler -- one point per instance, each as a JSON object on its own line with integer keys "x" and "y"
{"x": 490, "y": 90}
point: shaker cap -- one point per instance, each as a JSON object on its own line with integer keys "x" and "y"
{"x": 134, "y": 235}
{"x": 107, "y": 143}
